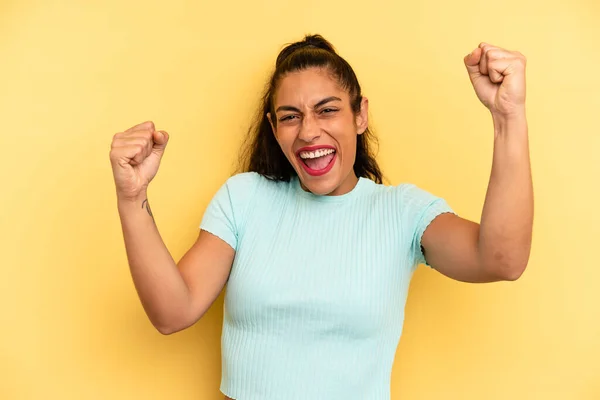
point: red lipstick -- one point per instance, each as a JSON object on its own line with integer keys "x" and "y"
{"x": 315, "y": 172}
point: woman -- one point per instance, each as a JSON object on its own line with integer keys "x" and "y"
{"x": 316, "y": 251}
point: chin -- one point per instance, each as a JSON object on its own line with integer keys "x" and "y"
{"x": 320, "y": 187}
{"x": 324, "y": 181}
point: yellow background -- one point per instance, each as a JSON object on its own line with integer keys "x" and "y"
{"x": 74, "y": 73}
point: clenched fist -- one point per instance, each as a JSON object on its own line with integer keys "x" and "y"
{"x": 135, "y": 156}
{"x": 498, "y": 77}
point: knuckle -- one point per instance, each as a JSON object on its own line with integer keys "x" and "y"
{"x": 149, "y": 125}
{"x": 114, "y": 154}
{"x": 519, "y": 55}
{"x": 493, "y": 54}
{"x": 143, "y": 135}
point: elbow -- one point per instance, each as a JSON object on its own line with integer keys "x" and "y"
{"x": 166, "y": 330}
{"x": 507, "y": 265}
{"x": 513, "y": 273}
{"x": 170, "y": 320}
{"x": 177, "y": 321}
{"x": 169, "y": 327}
{"x": 510, "y": 272}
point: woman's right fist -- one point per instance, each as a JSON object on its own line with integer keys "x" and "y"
{"x": 135, "y": 156}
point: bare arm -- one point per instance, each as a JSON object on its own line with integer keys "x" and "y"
{"x": 499, "y": 248}
{"x": 173, "y": 296}
{"x": 507, "y": 219}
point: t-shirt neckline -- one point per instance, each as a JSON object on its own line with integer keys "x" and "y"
{"x": 330, "y": 199}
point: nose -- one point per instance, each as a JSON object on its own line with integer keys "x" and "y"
{"x": 309, "y": 129}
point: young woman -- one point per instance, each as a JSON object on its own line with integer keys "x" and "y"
{"x": 316, "y": 252}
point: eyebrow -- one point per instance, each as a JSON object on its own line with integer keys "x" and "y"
{"x": 319, "y": 104}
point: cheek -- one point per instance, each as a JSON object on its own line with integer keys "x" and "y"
{"x": 285, "y": 137}
{"x": 344, "y": 131}
{"x": 348, "y": 145}
{"x": 349, "y": 149}
{"x": 344, "y": 125}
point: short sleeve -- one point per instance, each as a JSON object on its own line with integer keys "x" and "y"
{"x": 225, "y": 214}
{"x": 420, "y": 208}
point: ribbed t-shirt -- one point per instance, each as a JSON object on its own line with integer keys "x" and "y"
{"x": 314, "y": 304}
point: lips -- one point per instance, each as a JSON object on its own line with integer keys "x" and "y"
{"x": 317, "y": 160}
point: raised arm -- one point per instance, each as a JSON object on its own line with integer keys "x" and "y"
{"x": 498, "y": 247}
{"x": 173, "y": 296}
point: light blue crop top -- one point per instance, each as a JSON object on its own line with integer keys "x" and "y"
{"x": 314, "y": 305}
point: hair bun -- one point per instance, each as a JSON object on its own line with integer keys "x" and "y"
{"x": 319, "y": 42}
{"x": 314, "y": 41}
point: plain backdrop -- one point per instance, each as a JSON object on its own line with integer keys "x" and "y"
{"x": 73, "y": 73}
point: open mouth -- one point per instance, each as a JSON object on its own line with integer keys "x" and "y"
{"x": 317, "y": 161}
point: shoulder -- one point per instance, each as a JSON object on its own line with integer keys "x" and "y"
{"x": 247, "y": 188}
{"x": 243, "y": 180}
{"x": 412, "y": 192}
{"x": 406, "y": 197}
{"x": 401, "y": 192}
{"x": 246, "y": 182}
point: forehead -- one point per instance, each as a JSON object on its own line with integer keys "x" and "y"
{"x": 307, "y": 86}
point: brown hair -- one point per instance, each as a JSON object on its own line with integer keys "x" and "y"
{"x": 261, "y": 152}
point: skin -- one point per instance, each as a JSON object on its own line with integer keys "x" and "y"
{"x": 495, "y": 249}
{"x": 498, "y": 248}
{"x": 312, "y": 109}
{"x": 176, "y": 295}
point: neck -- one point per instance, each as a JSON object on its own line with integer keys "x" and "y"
{"x": 345, "y": 186}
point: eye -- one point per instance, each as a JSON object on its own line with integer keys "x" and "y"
{"x": 287, "y": 118}
{"x": 328, "y": 110}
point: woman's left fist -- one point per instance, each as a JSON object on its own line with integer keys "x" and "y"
{"x": 498, "y": 77}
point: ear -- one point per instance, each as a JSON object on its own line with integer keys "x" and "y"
{"x": 271, "y": 122}
{"x": 362, "y": 118}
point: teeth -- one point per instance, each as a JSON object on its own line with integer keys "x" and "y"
{"x": 316, "y": 154}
